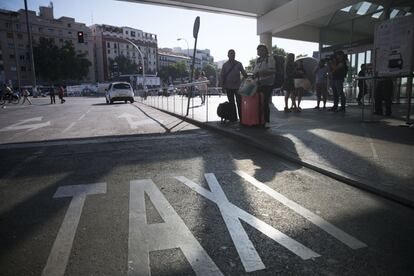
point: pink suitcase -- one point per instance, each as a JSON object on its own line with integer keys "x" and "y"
{"x": 252, "y": 113}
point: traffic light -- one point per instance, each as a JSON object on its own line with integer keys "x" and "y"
{"x": 80, "y": 37}
{"x": 140, "y": 69}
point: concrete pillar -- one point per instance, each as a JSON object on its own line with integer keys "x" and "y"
{"x": 266, "y": 39}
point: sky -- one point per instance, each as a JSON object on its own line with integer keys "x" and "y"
{"x": 218, "y": 32}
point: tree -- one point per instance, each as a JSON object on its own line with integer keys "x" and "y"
{"x": 125, "y": 65}
{"x": 211, "y": 73}
{"x": 278, "y": 51}
{"x": 209, "y": 70}
{"x": 55, "y": 64}
{"x": 173, "y": 71}
{"x": 46, "y": 56}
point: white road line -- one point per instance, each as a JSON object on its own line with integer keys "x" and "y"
{"x": 276, "y": 235}
{"x": 172, "y": 233}
{"x": 247, "y": 252}
{"x": 69, "y": 127}
{"x": 59, "y": 255}
{"x": 81, "y": 117}
{"x": 315, "y": 219}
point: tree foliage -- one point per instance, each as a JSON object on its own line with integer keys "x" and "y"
{"x": 174, "y": 71}
{"x": 54, "y": 64}
{"x": 209, "y": 71}
{"x": 124, "y": 65}
{"x": 279, "y": 51}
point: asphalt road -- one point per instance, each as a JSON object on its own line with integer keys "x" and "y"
{"x": 95, "y": 189}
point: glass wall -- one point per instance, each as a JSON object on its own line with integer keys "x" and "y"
{"x": 352, "y": 31}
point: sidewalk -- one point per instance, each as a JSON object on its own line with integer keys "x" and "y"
{"x": 376, "y": 154}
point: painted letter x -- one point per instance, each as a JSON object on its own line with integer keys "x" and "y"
{"x": 232, "y": 216}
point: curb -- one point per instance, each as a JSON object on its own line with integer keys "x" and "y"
{"x": 308, "y": 164}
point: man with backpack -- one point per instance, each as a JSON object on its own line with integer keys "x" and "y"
{"x": 230, "y": 80}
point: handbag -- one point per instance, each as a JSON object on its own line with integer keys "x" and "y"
{"x": 248, "y": 87}
{"x": 304, "y": 83}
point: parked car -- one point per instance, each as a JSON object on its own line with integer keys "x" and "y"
{"x": 119, "y": 91}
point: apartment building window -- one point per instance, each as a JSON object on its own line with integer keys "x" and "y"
{"x": 126, "y": 32}
{"x": 127, "y": 46}
{"x": 40, "y": 30}
{"x": 11, "y": 56}
{"x": 132, "y": 33}
{"x": 69, "y": 32}
{"x": 21, "y": 46}
{"x": 9, "y": 35}
{"x": 50, "y": 30}
{"x": 1, "y": 68}
{"x": 21, "y": 57}
{"x": 115, "y": 45}
{"x": 108, "y": 45}
{"x": 20, "y": 36}
{"x": 69, "y": 25}
{"x": 23, "y": 68}
{"x": 109, "y": 51}
{"x": 7, "y": 25}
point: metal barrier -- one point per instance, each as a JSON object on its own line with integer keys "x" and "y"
{"x": 178, "y": 98}
{"x": 371, "y": 93}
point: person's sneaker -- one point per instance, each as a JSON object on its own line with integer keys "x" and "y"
{"x": 287, "y": 109}
{"x": 359, "y": 103}
{"x": 342, "y": 108}
{"x": 332, "y": 109}
{"x": 316, "y": 107}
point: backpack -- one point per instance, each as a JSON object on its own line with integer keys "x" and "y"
{"x": 280, "y": 71}
{"x": 227, "y": 112}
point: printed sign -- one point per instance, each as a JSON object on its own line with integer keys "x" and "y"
{"x": 393, "y": 44}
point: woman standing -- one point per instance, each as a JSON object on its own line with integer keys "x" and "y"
{"x": 299, "y": 81}
{"x": 288, "y": 84}
{"x": 321, "y": 78}
{"x": 203, "y": 87}
{"x": 264, "y": 71}
{"x": 339, "y": 70}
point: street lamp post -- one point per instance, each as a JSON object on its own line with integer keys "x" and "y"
{"x": 188, "y": 53}
{"x": 142, "y": 61}
{"x": 29, "y": 33}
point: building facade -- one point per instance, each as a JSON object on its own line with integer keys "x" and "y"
{"x": 111, "y": 42}
{"x": 202, "y": 57}
{"x": 15, "y": 65}
{"x": 166, "y": 57}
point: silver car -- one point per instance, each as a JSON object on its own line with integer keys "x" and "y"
{"x": 119, "y": 91}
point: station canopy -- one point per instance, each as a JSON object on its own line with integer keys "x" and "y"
{"x": 325, "y": 21}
